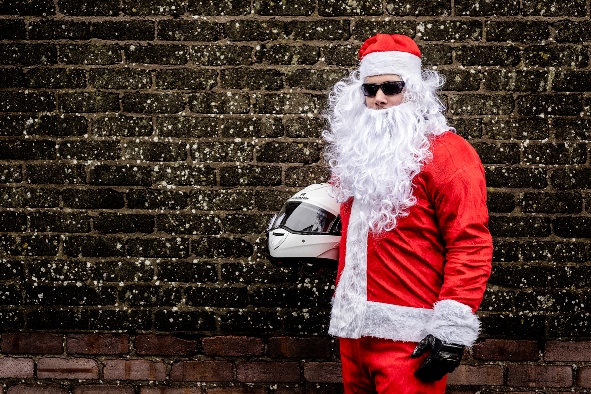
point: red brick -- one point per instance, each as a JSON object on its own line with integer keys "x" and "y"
{"x": 202, "y": 371}
{"x": 327, "y": 372}
{"x": 312, "y": 389}
{"x": 465, "y": 391}
{"x": 539, "y": 376}
{"x": 489, "y": 375}
{"x": 134, "y": 370}
{"x": 171, "y": 390}
{"x": 237, "y": 390}
{"x": 233, "y": 346}
{"x": 584, "y": 377}
{"x": 567, "y": 351}
{"x": 506, "y": 350}
{"x": 337, "y": 348}
{"x": 97, "y": 344}
{"x": 103, "y": 389}
{"x": 71, "y": 368}
{"x": 268, "y": 372}
{"x": 166, "y": 345}
{"x": 12, "y": 367}
{"x": 25, "y": 389}
{"x": 32, "y": 343}
{"x": 299, "y": 347}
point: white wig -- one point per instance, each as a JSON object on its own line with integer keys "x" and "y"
{"x": 375, "y": 154}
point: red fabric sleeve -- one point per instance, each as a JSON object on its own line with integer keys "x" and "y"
{"x": 460, "y": 201}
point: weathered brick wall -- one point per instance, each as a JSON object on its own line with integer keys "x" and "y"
{"x": 145, "y": 144}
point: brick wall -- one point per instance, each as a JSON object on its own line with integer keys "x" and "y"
{"x": 145, "y": 144}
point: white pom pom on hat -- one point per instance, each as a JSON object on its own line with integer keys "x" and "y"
{"x": 389, "y": 54}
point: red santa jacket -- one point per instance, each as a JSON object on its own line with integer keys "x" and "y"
{"x": 429, "y": 274}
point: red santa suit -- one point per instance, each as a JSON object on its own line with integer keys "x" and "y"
{"x": 427, "y": 276}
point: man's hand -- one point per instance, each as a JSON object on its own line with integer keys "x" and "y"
{"x": 444, "y": 358}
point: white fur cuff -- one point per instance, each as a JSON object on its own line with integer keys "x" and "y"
{"x": 454, "y": 322}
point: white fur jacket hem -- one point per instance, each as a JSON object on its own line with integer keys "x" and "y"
{"x": 449, "y": 321}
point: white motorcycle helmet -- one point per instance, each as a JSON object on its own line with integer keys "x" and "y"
{"x": 307, "y": 230}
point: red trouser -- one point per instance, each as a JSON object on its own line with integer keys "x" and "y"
{"x": 383, "y": 366}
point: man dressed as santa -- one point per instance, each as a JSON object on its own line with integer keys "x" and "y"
{"x": 416, "y": 251}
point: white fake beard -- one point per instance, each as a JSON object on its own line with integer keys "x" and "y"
{"x": 374, "y": 156}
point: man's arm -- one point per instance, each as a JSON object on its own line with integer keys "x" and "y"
{"x": 460, "y": 203}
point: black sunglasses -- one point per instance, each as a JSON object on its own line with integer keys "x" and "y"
{"x": 389, "y": 88}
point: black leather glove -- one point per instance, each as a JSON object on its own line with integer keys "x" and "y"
{"x": 444, "y": 358}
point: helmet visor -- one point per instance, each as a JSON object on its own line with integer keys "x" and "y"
{"x": 301, "y": 217}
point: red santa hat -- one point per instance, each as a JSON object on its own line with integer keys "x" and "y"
{"x": 389, "y": 54}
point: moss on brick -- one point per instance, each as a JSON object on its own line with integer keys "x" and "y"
{"x": 57, "y": 125}
{"x": 554, "y": 8}
{"x": 28, "y": 54}
{"x": 89, "y": 8}
{"x": 214, "y": 7}
{"x": 12, "y": 29}
{"x": 461, "y": 80}
{"x": 555, "y": 56}
{"x": 449, "y": 31}
{"x": 123, "y": 78}
{"x": 517, "y": 128}
{"x": 101, "y": 54}
{"x": 47, "y": 29}
{"x": 154, "y": 7}
{"x": 188, "y": 30}
{"x": 250, "y": 176}
{"x": 283, "y": 7}
{"x": 28, "y": 7}
{"x": 160, "y": 103}
{"x": 89, "y": 102}
{"x": 523, "y": 31}
{"x": 251, "y": 79}
{"x": 289, "y": 54}
{"x": 480, "y": 104}
{"x": 334, "y": 29}
{"x": 55, "y": 173}
{"x": 550, "y": 105}
{"x": 230, "y": 151}
{"x": 419, "y": 8}
{"x": 318, "y": 79}
{"x": 121, "y": 125}
{"x": 186, "y": 79}
{"x": 222, "y": 200}
{"x": 186, "y": 126}
{"x": 341, "y": 55}
{"x": 341, "y": 8}
{"x": 306, "y": 175}
{"x": 487, "y": 8}
{"x": 123, "y": 30}
{"x": 184, "y": 175}
{"x": 281, "y": 103}
{"x": 517, "y": 80}
{"x": 254, "y": 30}
{"x": 216, "y": 103}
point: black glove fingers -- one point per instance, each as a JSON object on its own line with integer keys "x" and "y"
{"x": 444, "y": 358}
{"x": 426, "y": 343}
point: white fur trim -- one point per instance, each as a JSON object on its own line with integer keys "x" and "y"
{"x": 392, "y": 62}
{"x": 400, "y": 323}
{"x": 449, "y": 321}
{"x": 349, "y": 304}
{"x": 454, "y": 322}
